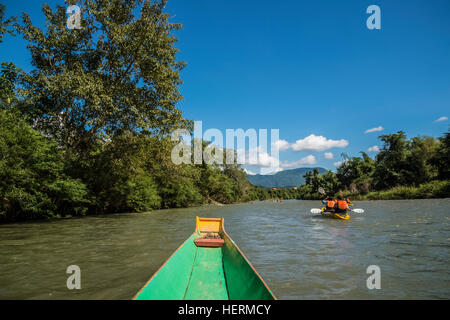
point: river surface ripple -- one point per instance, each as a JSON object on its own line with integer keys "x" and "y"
{"x": 298, "y": 254}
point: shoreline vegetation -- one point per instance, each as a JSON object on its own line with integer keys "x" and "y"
{"x": 87, "y": 130}
{"x": 430, "y": 190}
{"x": 415, "y": 168}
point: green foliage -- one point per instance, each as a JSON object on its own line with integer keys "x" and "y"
{"x": 142, "y": 194}
{"x": 178, "y": 195}
{"x": 420, "y": 152}
{"x": 221, "y": 188}
{"x": 403, "y": 169}
{"x": 356, "y": 173}
{"x": 86, "y": 131}
{"x": 392, "y": 161}
{"x": 101, "y": 100}
{"x": 8, "y": 78}
{"x": 117, "y": 73}
{"x": 441, "y": 158}
{"x": 433, "y": 189}
{"x": 5, "y": 23}
{"x": 405, "y": 162}
{"x": 32, "y": 179}
{"x": 328, "y": 181}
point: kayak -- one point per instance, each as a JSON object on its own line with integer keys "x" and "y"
{"x": 207, "y": 266}
{"x": 343, "y": 216}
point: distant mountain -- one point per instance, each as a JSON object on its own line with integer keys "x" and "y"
{"x": 282, "y": 179}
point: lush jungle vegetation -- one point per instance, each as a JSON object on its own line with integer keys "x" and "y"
{"x": 403, "y": 169}
{"x": 87, "y": 130}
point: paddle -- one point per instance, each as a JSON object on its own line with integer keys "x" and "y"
{"x": 316, "y": 210}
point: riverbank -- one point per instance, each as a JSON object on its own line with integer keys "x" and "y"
{"x": 430, "y": 190}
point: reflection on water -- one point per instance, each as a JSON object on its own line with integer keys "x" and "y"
{"x": 299, "y": 255}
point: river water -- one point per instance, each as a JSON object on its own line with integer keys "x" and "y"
{"x": 298, "y": 254}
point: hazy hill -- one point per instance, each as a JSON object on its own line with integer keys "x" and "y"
{"x": 283, "y": 179}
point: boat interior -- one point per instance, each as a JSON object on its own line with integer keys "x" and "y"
{"x": 207, "y": 266}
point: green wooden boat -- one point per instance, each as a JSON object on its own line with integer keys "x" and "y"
{"x": 207, "y": 266}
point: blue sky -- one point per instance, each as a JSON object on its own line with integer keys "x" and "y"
{"x": 306, "y": 68}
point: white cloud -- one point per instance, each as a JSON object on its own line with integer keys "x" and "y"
{"x": 250, "y": 173}
{"x": 380, "y": 128}
{"x": 256, "y": 157}
{"x": 374, "y": 149}
{"x": 441, "y": 119}
{"x": 275, "y": 171}
{"x": 308, "y": 160}
{"x": 339, "y": 163}
{"x": 328, "y": 155}
{"x": 317, "y": 143}
{"x": 281, "y": 145}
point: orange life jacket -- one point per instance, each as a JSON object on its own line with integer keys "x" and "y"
{"x": 342, "y": 205}
{"x": 330, "y": 204}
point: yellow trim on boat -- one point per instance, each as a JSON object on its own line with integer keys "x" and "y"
{"x": 209, "y": 224}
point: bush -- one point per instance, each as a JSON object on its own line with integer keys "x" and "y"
{"x": 180, "y": 195}
{"x": 142, "y": 194}
{"x": 433, "y": 189}
{"x": 32, "y": 179}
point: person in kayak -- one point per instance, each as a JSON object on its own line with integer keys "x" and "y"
{"x": 329, "y": 203}
{"x": 349, "y": 202}
{"x": 341, "y": 205}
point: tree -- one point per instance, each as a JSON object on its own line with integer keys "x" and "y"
{"x": 5, "y": 23}
{"x": 419, "y": 159}
{"x": 8, "y": 71}
{"x": 441, "y": 158}
{"x": 314, "y": 180}
{"x": 117, "y": 73}
{"x": 141, "y": 194}
{"x": 356, "y": 172}
{"x": 330, "y": 183}
{"x": 32, "y": 179}
{"x": 8, "y": 78}
{"x": 391, "y": 161}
